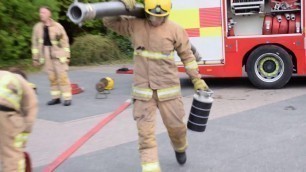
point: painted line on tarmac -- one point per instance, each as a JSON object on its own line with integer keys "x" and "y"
{"x": 65, "y": 155}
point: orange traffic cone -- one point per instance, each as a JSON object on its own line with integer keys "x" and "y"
{"x": 75, "y": 89}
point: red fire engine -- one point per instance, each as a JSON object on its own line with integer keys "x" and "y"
{"x": 266, "y": 38}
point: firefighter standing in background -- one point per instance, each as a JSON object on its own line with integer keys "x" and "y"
{"x": 50, "y": 46}
{"x": 156, "y": 83}
{"x": 18, "y": 109}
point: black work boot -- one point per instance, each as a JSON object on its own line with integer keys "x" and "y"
{"x": 67, "y": 102}
{"x": 181, "y": 157}
{"x": 54, "y": 102}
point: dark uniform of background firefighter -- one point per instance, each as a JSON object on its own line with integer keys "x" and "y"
{"x": 50, "y": 47}
{"x": 156, "y": 83}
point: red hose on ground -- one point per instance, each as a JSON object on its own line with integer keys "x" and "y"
{"x": 65, "y": 155}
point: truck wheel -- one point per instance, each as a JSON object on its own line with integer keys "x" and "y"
{"x": 269, "y": 67}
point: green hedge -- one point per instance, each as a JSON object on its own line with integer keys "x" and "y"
{"x": 94, "y": 49}
{"x": 17, "y": 17}
{"x": 124, "y": 43}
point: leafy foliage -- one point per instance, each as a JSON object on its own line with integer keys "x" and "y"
{"x": 17, "y": 18}
{"x": 94, "y": 49}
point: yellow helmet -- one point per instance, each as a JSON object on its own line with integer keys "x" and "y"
{"x": 105, "y": 84}
{"x": 110, "y": 83}
{"x": 159, "y": 8}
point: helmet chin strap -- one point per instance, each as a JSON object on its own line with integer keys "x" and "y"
{"x": 152, "y": 19}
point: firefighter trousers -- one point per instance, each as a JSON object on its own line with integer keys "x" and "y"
{"x": 12, "y": 142}
{"x": 58, "y": 76}
{"x": 172, "y": 113}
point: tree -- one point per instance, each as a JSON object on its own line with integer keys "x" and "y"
{"x": 17, "y": 19}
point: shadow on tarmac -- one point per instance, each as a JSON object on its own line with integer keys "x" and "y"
{"x": 243, "y": 82}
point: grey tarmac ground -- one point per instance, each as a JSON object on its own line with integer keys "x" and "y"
{"x": 249, "y": 129}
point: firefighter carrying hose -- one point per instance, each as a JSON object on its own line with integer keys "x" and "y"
{"x": 18, "y": 109}
{"x": 50, "y": 47}
{"x": 156, "y": 83}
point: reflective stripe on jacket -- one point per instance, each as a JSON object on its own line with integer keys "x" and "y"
{"x": 58, "y": 37}
{"x": 10, "y": 90}
{"x": 154, "y": 63}
{"x": 16, "y": 93}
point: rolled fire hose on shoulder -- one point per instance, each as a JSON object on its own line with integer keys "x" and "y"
{"x": 80, "y": 12}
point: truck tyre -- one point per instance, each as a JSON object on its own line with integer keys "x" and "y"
{"x": 269, "y": 67}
